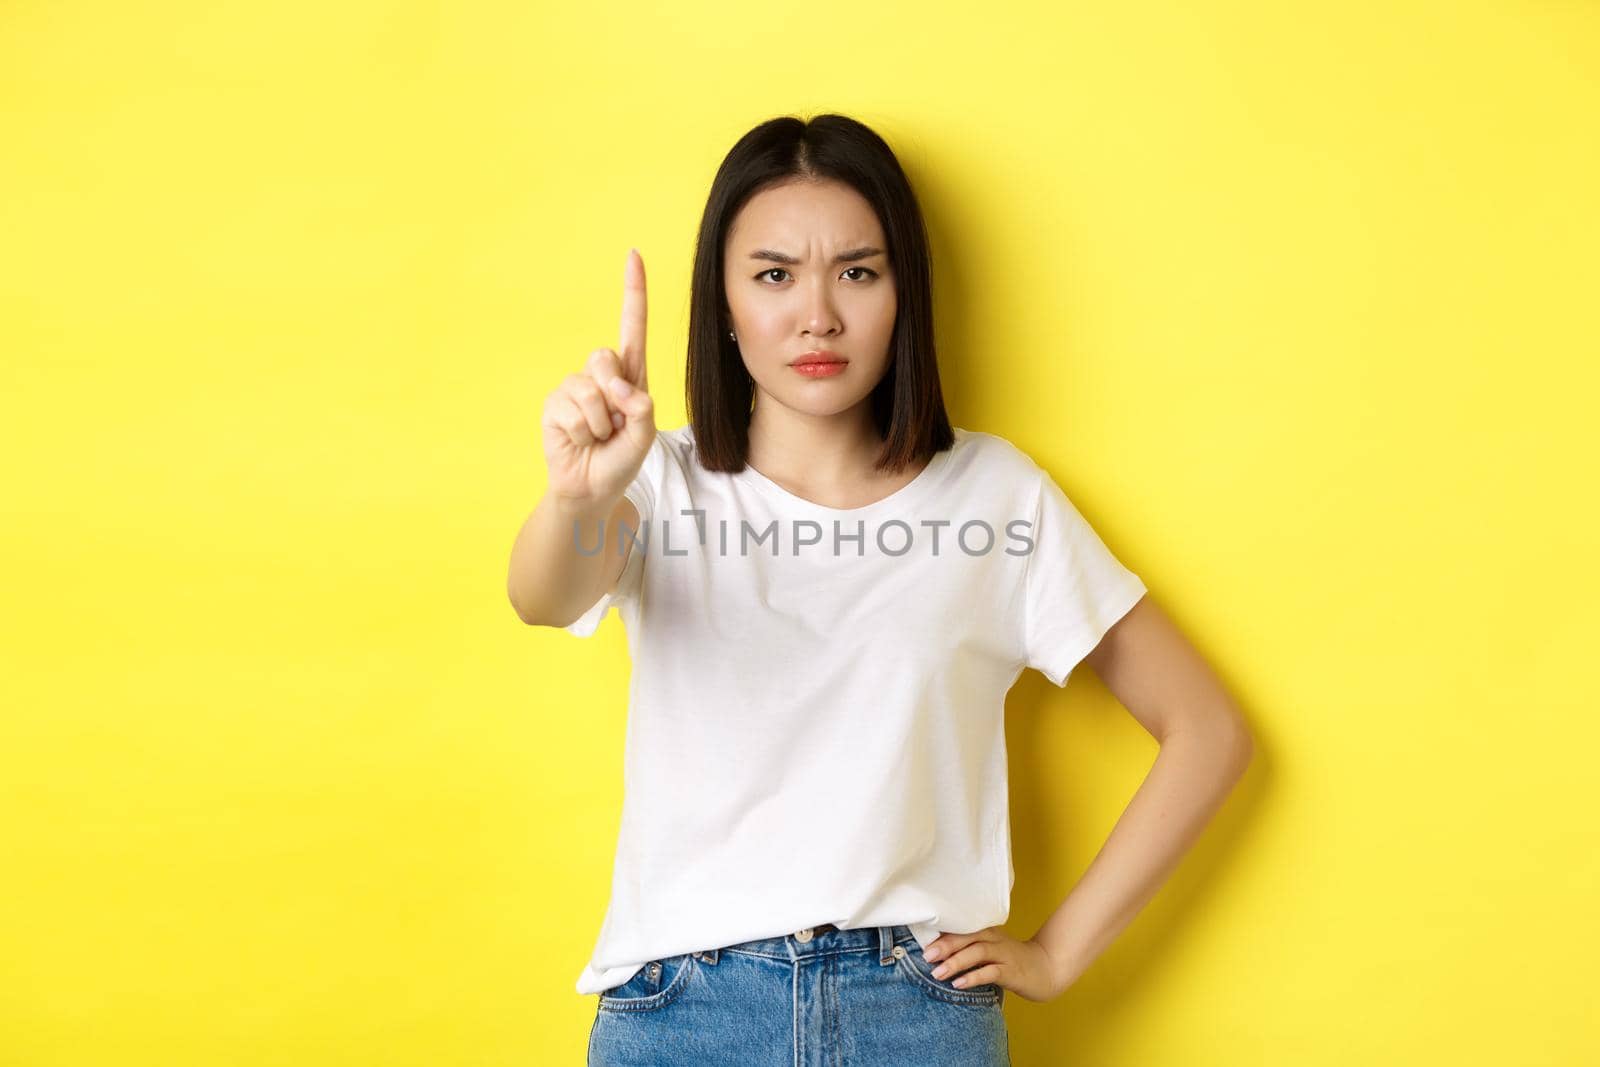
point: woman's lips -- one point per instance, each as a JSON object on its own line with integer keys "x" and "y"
{"x": 820, "y": 370}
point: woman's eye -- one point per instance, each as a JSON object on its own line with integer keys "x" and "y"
{"x": 780, "y": 270}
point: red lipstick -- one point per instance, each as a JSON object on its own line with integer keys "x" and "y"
{"x": 819, "y": 363}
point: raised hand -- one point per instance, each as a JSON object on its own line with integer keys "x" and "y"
{"x": 599, "y": 423}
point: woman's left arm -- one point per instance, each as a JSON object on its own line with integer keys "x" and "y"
{"x": 1165, "y": 683}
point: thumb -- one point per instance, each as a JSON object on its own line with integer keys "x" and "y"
{"x": 639, "y": 411}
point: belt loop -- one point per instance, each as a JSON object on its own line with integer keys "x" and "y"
{"x": 885, "y": 944}
{"x": 709, "y": 955}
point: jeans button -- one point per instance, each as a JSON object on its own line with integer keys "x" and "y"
{"x": 803, "y": 935}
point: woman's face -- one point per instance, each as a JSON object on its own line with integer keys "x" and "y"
{"x": 806, "y": 268}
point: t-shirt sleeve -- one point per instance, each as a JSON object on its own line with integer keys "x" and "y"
{"x": 642, "y": 491}
{"x": 1074, "y": 589}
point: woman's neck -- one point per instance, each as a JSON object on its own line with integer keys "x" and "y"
{"x": 828, "y": 459}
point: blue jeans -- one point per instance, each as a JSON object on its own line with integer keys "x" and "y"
{"x": 832, "y": 998}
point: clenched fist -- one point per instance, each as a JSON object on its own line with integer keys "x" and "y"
{"x": 599, "y": 424}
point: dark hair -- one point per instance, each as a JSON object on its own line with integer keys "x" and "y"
{"x": 907, "y": 404}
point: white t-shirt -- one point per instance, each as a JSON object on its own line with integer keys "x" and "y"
{"x": 817, "y": 735}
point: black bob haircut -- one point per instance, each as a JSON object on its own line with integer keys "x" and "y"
{"x": 907, "y": 404}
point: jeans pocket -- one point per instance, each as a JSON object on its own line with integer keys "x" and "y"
{"x": 655, "y": 985}
{"x": 912, "y": 964}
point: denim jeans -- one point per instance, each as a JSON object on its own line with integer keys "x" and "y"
{"x": 835, "y": 998}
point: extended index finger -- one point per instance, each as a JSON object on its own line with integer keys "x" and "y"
{"x": 631, "y": 350}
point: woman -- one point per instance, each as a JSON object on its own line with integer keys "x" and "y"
{"x": 827, "y": 591}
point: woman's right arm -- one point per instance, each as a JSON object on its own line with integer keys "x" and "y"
{"x": 598, "y": 426}
{"x": 551, "y": 582}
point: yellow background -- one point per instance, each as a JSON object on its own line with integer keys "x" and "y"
{"x": 1297, "y": 304}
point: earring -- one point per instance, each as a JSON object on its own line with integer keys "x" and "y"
{"x": 731, "y": 337}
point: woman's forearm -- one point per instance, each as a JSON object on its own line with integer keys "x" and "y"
{"x": 550, "y": 581}
{"x": 1191, "y": 777}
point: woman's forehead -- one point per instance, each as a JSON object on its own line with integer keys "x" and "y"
{"x": 823, "y": 208}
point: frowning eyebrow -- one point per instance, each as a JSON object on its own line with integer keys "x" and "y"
{"x": 850, "y": 256}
